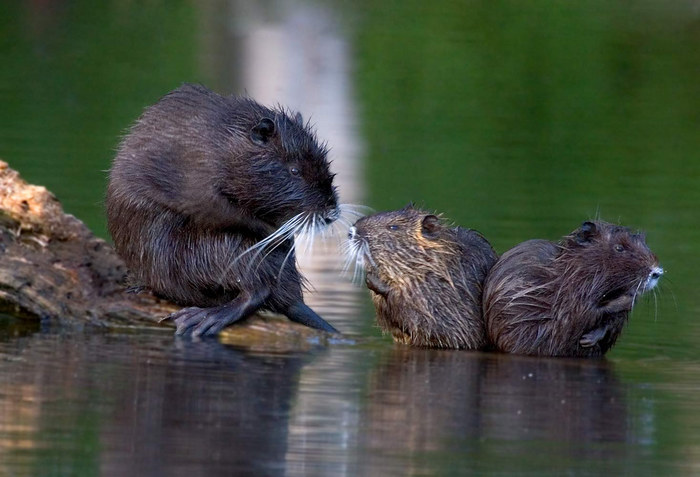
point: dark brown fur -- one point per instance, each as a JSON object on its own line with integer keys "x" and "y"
{"x": 569, "y": 298}
{"x": 425, "y": 277}
{"x": 198, "y": 180}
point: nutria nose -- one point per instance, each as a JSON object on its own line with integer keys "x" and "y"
{"x": 351, "y": 232}
{"x": 656, "y": 273}
{"x": 331, "y": 216}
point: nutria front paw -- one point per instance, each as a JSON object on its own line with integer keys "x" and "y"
{"x": 375, "y": 284}
{"x": 592, "y": 337}
{"x": 200, "y": 321}
{"x": 136, "y": 289}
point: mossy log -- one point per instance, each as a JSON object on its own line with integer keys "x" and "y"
{"x": 53, "y": 268}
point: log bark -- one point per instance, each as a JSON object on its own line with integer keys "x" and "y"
{"x": 53, "y": 268}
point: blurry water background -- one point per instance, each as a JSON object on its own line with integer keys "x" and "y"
{"x": 519, "y": 119}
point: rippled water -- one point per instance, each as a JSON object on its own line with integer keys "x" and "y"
{"x": 146, "y": 404}
{"x": 520, "y": 120}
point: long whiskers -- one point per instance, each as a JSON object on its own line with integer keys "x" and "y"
{"x": 302, "y": 230}
{"x": 356, "y": 257}
{"x": 277, "y": 238}
{"x": 355, "y": 210}
{"x": 274, "y": 240}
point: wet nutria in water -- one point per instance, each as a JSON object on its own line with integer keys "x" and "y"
{"x": 569, "y": 298}
{"x": 204, "y": 197}
{"x": 425, "y": 277}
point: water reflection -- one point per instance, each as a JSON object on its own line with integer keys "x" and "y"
{"x": 146, "y": 404}
{"x": 427, "y": 401}
{"x": 209, "y": 410}
{"x": 163, "y": 408}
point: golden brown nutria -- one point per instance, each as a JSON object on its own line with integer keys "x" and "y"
{"x": 425, "y": 277}
{"x": 204, "y": 197}
{"x": 569, "y": 298}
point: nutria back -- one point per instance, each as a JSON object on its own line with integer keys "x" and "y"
{"x": 570, "y": 298}
{"x": 206, "y": 193}
{"x": 425, "y": 277}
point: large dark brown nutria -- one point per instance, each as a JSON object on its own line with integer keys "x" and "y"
{"x": 425, "y": 277}
{"x": 204, "y": 197}
{"x": 569, "y": 298}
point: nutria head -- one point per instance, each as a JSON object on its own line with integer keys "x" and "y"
{"x": 222, "y": 162}
{"x": 403, "y": 245}
{"x": 280, "y": 169}
{"x": 614, "y": 263}
{"x": 425, "y": 277}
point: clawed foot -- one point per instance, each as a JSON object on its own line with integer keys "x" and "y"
{"x": 375, "y": 284}
{"x": 136, "y": 289}
{"x": 210, "y": 321}
{"x": 198, "y": 322}
{"x": 593, "y": 337}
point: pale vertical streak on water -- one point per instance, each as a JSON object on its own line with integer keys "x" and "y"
{"x": 294, "y": 54}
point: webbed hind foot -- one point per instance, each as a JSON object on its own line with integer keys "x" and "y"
{"x": 301, "y": 313}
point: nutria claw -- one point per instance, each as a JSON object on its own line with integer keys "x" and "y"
{"x": 375, "y": 284}
{"x": 210, "y": 321}
{"x": 203, "y": 321}
{"x": 593, "y": 337}
{"x": 188, "y": 318}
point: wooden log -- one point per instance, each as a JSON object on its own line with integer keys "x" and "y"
{"x": 52, "y": 267}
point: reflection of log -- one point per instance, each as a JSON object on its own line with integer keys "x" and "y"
{"x": 53, "y": 268}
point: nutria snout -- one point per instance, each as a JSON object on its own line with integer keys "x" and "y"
{"x": 570, "y": 298}
{"x": 205, "y": 196}
{"x": 425, "y": 277}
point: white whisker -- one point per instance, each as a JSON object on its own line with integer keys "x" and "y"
{"x": 355, "y": 209}
{"x": 284, "y": 262}
{"x": 271, "y": 242}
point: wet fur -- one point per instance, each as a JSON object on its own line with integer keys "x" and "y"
{"x": 429, "y": 279}
{"x": 202, "y": 178}
{"x": 570, "y": 298}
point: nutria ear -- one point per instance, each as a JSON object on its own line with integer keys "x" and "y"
{"x": 430, "y": 226}
{"x": 586, "y": 232}
{"x": 299, "y": 119}
{"x": 263, "y": 131}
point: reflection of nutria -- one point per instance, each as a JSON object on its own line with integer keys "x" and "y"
{"x": 205, "y": 195}
{"x": 426, "y": 278}
{"x": 570, "y": 298}
{"x": 429, "y": 401}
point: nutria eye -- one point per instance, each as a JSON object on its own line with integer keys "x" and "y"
{"x": 294, "y": 171}
{"x": 393, "y": 227}
{"x": 619, "y": 247}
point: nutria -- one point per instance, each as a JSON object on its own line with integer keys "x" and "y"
{"x": 425, "y": 277}
{"x": 204, "y": 197}
{"x": 569, "y": 298}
